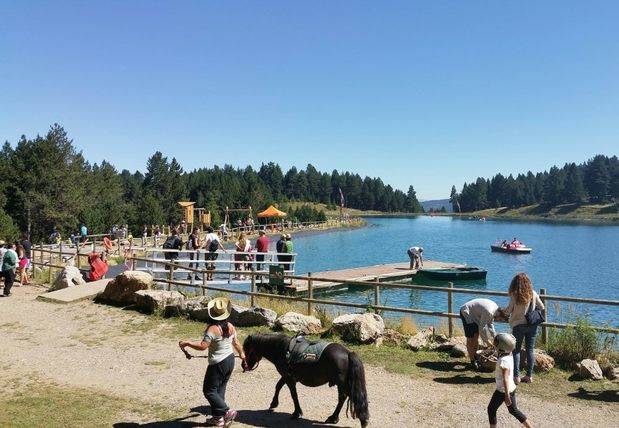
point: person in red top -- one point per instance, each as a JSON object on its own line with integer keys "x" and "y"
{"x": 262, "y": 246}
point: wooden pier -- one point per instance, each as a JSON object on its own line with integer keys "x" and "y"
{"x": 382, "y": 273}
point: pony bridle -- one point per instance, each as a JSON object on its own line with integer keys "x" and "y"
{"x": 245, "y": 366}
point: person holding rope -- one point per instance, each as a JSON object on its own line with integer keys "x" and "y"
{"x": 221, "y": 340}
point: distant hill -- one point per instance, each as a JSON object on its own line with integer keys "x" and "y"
{"x": 436, "y": 204}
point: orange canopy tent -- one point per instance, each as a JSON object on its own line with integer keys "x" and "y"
{"x": 271, "y": 212}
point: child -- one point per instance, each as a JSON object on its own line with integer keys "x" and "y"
{"x": 505, "y": 386}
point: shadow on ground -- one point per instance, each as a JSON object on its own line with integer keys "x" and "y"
{"x": 443, "y": 366}
{"x": 463, "y": 375}
{"x": 256, "y": 418}
{"x": 463, "y": 380}
{"x": 609, "y": 396}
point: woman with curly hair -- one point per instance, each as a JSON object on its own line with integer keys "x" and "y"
{"x": 522, "y": 299}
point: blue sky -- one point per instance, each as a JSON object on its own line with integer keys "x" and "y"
{"x": 424, "y": 93}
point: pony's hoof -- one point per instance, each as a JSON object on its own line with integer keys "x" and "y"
{"x": 272, "y": 408}
{"x": 296, "y": 415}
{"x": 332, "y": 420}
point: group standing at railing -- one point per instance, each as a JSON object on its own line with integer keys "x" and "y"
{"x": 245, "y": 257}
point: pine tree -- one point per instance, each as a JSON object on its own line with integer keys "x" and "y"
{"x": 597, "y": 178}
{"x": 574, "y": 190}
{"x": 453, "y": 199}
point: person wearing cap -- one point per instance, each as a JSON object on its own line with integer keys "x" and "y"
{"x": 288, "y": 249}
{"x": 280, "y": 247}
{"x": 416, "y": 256}
{"x": 478, "y": 316}
{"x": 505, "y": 392}
{"x": 221, "y": 340}
{"x": 262, "y": 247}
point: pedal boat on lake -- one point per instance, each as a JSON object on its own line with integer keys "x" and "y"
{"x": 510, "y": 248}
{"x": 460, "y": 273}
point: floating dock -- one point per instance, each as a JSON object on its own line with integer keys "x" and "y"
{"x": 382, "y": 273}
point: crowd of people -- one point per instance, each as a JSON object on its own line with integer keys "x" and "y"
{"x": 524, "y": 312}
{"x": 15, "y": 262}
{"x": 246, "y": 256}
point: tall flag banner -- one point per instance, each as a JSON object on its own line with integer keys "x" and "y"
{"x": 341, "y": 197}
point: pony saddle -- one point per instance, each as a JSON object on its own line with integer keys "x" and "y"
{"x": 302, "y": 351}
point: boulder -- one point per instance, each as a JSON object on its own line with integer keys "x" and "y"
{"x": 195, "y": 308}
{"x": 393, "y": 337}
{"x": 421, "y": 339}
{"x": 359, "y": 328}
{"x": 458, "y": 351}
{"x": 242, "y": 316}
{"x": 443, "y": 344}
{"x": 543, "y": 361}
{"x": 298, "y": 323}
{"x": 121, "y": 290}
{"x": 170, "y": 303}
{"x": 611, "y": 373}
{"x": 589, "y": 369}
{"x": 69, "y": 277}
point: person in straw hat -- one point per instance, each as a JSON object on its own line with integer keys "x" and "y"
{"x": 220, "y": 339}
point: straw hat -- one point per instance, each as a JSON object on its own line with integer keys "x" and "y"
{"x": 219, "y": 308}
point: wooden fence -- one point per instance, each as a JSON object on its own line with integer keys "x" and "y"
{"x": 310, "y": 300}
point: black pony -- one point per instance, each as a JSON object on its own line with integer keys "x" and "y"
{"x": 336, "y": 366}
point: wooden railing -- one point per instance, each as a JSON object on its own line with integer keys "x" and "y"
{"x": 376, "y": 305}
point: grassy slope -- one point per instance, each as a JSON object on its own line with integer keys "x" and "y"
{"x": 587, "y": 213}
{"x": 353, "y": 212}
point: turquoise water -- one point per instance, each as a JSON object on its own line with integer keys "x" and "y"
{"x": 571, "y": 260}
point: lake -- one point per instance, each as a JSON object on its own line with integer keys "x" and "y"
{"x": 571, "y": 260}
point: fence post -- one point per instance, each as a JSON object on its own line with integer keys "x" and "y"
{"x": 310, "y": 293}
{"x": 203, "y": 283}
{"x": 170, "y": 275}
{"x": 542, "y": 296}
{"x": 252, "y": 298}
{"x": 41, "y": 265}
{"x": 133, "y": 260}
{"x": 450, "y": 307}
{"x": 77, "y": 257}
{"x": 377, "y": 294}
{"x": 60, "y": 253}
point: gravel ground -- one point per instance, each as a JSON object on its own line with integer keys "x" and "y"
{"x": 95, "y": 346}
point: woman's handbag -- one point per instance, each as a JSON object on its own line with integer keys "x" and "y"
{"x": 534, "y": 316}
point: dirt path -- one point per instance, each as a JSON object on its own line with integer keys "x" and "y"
{"x": 106, "y": 348}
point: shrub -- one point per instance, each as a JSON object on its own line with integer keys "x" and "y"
{"x": 573, "y": 344}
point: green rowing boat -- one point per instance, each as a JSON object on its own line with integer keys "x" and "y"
{"x": 461, "y": 273}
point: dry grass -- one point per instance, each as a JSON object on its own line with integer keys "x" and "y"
{"x": 33, "y": 402}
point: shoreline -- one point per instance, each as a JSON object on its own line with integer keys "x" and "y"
{"x": 534, "y": 219}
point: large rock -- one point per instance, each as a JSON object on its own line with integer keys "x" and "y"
{"x": 195, "y": 308}
{"x": 242, "y": 316}
{"x": 543, "y": 361}
{"x": 611, "y": 373}
{"x": 589, "y": 369}
{"x": 121, "y": 290}
{"x": 393, "y": 337}
{"x": 69, "y": 277}
{"x": 421, "y": 339}
{"x": 443, "y": 344}
{"x": 359, "y": 328}
{"x": 298, "y": 323}
{"x": 169, "y": 303}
